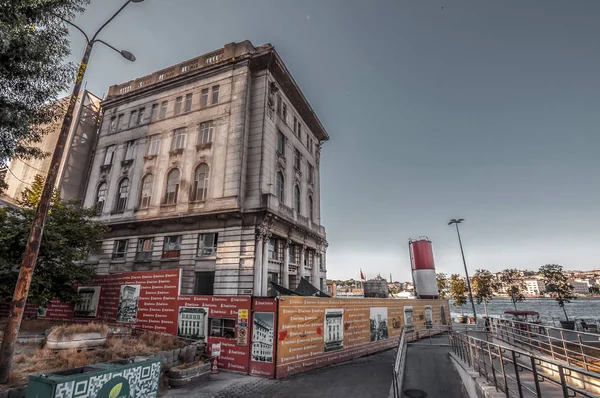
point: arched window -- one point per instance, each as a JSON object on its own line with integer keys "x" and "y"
{"x": 172, "y": 187}
{"x": 297, "y": 199}
{"x": 100, "y": 197}
{"x": 122, "y": 195}
{"x": 200, "y": 182}
{"x": 310, "y": 208}
{"x": 280, "y": 187}
{"x": 146, "y": 194}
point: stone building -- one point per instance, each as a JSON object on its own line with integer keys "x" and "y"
{"x": 212, "y": 166}
{"x": 75, "y": 163}
{"x": 262, "y": 339}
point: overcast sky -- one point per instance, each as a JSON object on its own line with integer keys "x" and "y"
{"x": 486, "y": 110}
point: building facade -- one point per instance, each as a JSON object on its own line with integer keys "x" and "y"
{"x": 75, "y": 163}
{"x": 534, "y": 287}
{"x": 212, "y": 166}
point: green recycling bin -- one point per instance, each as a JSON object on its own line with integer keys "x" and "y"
{"x": 127, "y": 378}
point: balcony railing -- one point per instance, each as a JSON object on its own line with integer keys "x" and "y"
{"x": 286, "y": 210}
{"x": 166, "y": 74}
{"x": 270, "y": 201}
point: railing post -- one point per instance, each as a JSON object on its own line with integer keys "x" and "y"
{"x": 563, "y": 382}
{"x": 517, "y": 377}
{"x": 535, "y": 377}
{"x": 492, "y": 365}
{"x": 501, "y": 357}
{"x": 483, "y": 359}
{"x": 585, "y": 364}
{"x": 550, "y": 342}
{"x": 562, "y": 337}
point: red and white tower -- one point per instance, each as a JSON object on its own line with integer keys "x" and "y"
{"x": 423, "y": 268}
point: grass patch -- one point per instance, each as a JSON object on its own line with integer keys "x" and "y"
{"x": 45, "y": 360}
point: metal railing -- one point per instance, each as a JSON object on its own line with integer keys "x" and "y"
{"x": 517, "y": 373}
{"x": 398, "y": 369}
{"x": 575, "y": 348}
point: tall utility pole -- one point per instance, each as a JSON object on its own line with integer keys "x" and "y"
{"x": 456, "y": 222}
{"x": 32, "y": 249}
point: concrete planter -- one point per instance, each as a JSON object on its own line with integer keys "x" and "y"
{"x": 184, "y": 375}
{"x": 568, "y": 325}
{"x": 76, "y": 340}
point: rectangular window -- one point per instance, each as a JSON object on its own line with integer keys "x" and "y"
{"x": 109, "y": 155}
{"x": 178, "y": 139}
{"x": 207, "y": 245}
{"x": 206, "y": 131}
{"x": 204, "y": 97}
{"x": 144, "y": 249}
{"x": 133, "y": 118}
{"x": 120, "y": 121}
{"x": 172, "y": 246}
{"x": 274, "y": 277}
{"x": 292, "y": 254}
{"x": 178, "y": 102}
{"x": 188, "y": 102}
{"x": 113, "y": 124}
{"x": 311, "y": 172}
{"x": 222, "y": 328}
{"x": 119, "y": 249}
{"x": 295, "y": 125}
{"x": 279, "y": 105}
{"x": 140, "y": 118}
{"x": 163, "y": 110}
{"x": 154, "y": 112}
{"x": 299, "y": 127}
{"x": 296, "y": 159}
{"x": 129, "y": 148}
{"x": 273, "y": 249}
{"x": 205, "y": 282}
{"x": 215, "y": 95}
{"x": 153, "y": 145}
{"x": 284, "y": 113}
{"x": 280, "y": 143}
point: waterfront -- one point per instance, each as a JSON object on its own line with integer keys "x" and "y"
{"x": 547, "y": 308}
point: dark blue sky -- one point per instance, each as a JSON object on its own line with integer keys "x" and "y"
{"x": 486, "y": 110}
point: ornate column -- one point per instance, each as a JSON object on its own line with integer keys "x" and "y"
{"x": 301, "y": 265}
{"x": 265, "y": 264}
{"x": 285, "y": 276}
{"x": 315, "y": 270}
{"x": 258, "y": 251}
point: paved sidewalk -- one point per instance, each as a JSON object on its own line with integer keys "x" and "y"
{"x": 429, "y": 370}
{"x": 369, "y": 376}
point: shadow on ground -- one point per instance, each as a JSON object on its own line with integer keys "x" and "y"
{"x": 364, "y": 377}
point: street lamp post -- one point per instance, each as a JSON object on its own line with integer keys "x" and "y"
{"x": 17, "y": 306}
{"x": 456, "y": 222}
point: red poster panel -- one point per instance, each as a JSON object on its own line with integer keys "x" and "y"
{"x": 58, "y": 310}
{"x": 263, "y": 343}
{"x": 147, "y": 300}
{"x": 221, "y": 320}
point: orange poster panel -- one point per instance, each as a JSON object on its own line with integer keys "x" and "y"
{"x": 314, "y": 332}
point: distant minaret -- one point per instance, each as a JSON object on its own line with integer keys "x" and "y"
{"x": 391, "y": 280}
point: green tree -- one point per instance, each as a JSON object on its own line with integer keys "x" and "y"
{"x": 442, "y": 284}
{"x": 458, "y": 291}
{"x": 557, "y": 285}
{"x": 69, "y": 237}
{"x": 483, "y": 287}
{"x": 513, "y": 282}
{"x": 33, "y": 47}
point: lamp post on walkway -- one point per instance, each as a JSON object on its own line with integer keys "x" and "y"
{"x": 17, "y": 306}
{"x": 456, "y": 222}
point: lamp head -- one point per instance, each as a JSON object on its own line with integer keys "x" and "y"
{"x": 127, "y": 55}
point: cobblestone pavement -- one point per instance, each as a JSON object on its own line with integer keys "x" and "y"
{"x": 369, "y": 376}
